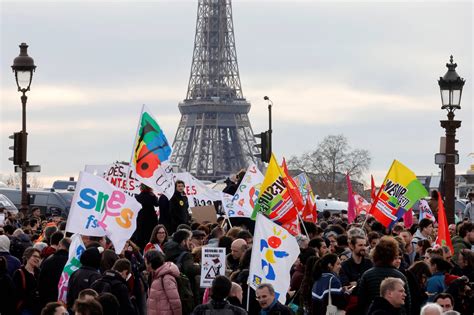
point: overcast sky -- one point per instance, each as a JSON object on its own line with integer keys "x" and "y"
{"x": 367, "y": 70}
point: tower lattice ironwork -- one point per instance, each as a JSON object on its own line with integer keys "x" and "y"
{"x": 214, "y": 137}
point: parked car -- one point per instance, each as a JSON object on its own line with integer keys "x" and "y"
{"x": 8, "y": 204}
{"x": 69, "y": 185}
{"x": 50, "y": 202}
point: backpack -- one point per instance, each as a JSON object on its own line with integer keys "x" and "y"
{"x": 184, "y": 288}
{"x": 103, "y": 285}
{"x": 222, "y": 311}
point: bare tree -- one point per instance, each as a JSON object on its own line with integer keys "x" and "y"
{"x": 15, "y": 181}
{"x": 331, "y": 160}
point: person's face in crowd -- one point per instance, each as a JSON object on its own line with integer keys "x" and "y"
{"x": 236, "y": 250}
{"x": 336, "y": 267}
{"x": 397, "y": 262}
{"x": 238, "y": 293}
{"x": 197, "y": 241}
{"x": 332, "y": 244}
{"x": 323, "y": 250}
{"x": 188, "y": 244}
{"x": 34, "y": 260}
{"x": 264, "y": 297}
{"x": 452, "y": 229}
{"x": 360, "y": 248}
{"x": 428, "y": 230}
{"x": 447, "y": 255}
{"x": 60, "y": 310}
{"x": 374, "y": 242}
{"x": 406, "y": 237}
{"x": 249, "y": 241}
{"x": 180, "y": 188}
{"x": 397, "y": 296}
{"x": 161, "y": 235}
{"x": 445, "y": 304}
{"x": 36, "y": 213}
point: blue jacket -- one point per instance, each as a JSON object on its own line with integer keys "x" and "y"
{"x": 320, "y": 294}
{"x": 435, "y": 285}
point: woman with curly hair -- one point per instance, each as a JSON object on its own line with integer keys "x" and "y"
{"x": 384, "y": 255}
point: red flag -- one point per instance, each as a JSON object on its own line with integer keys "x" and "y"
{"x": 408, "y": 218}
{"x": 443, "y": 232}
{"x": 351, "y": 202}
{"x": 373, "y": 194}
{"x": 292, "y": 188}
{"x": 309, "y": 211}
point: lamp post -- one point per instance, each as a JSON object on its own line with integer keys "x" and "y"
{"x": 270, "y": 104}
{"x": 23, "y": 67}
{"x": 450, "y": 85}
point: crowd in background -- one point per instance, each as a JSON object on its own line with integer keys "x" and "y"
{"x": 358, "y": 268}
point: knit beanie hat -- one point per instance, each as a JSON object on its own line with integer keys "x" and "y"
{"x": 91, "y": 258}
{"x": 4, "y": 243}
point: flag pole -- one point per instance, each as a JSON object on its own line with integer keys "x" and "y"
{"x": 304, "y": 226}
{"x": 133, "y": 146}
{"x": 248, "y": 297}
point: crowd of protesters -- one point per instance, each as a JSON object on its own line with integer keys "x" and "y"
{"x": 357, "y": 268}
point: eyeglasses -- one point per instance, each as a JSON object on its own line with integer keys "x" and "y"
{"x": 36, "y": 256}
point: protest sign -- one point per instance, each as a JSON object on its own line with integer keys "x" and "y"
{"x": 76, "y": 248}
{"x": 212, "y": 265}
{"x": 274, "y": 251}
{"x": 206, "y": 213}
{"x": 98, "y": 208}
{"x": 150, "y": 156}
{"x": 197, "y": 192}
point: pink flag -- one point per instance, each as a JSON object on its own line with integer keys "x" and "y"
{"x": 351, "y": 202}
{"x": 408, "y": 218}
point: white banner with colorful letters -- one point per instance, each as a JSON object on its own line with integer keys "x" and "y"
{"x": 73, "y": 263}
{"x": 98, "y": 208}
{"x": 274, "y": 251}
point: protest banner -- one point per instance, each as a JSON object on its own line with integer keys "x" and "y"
{"x": 197, "y": 192}
{"x": 205, "y": 213}
{"x": 76, "y": 248}
{"x": 399, "y": 191}
{"x": 118, "y": 174}
{"x": 362, "y": 206}
{"x": 243, "y": 201}
{"x": 274, "y": 251}
{"x": 212, "y": 264}
{"x": 98, "y": 208}
{"x": 425, "y": 211}
{"x": 275, "y": 199}
{"x": 150, "y": 155}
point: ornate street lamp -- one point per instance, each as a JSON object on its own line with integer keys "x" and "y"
{"x": 450, "y": 85}
{"x": 23, "y": 67}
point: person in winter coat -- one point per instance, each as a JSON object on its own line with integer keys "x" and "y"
{"x": 7, "y": 290}
{"x": 25, "y": 281}
{"x": 266, "y": 297}
{"x": 463, "y": 240}
{"x": 13, "y": 263}
{"x": 436, "y": 284}
{"x": 51, "y": 269}
{"x": 425, "y": 229}
{"x": 368, "y": 287}
{"x": 326, "y": 273}
{"x": 468, "y": 212}
{"x": 417, "y": 275}
{"x": 146, "y": 218}
{"x": 218, "y": 304}
{"x": 114, "y": 281}
{"x": 165, "y": 214}
{"x": 86, "y": 275}
{"x": 163, "y": 297}
{"x": 391, "y": 299}
{"x": 179, "y": 206}
{"x": 19, "y": 242}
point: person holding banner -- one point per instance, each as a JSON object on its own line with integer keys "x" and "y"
{"x": 146, "y": 219}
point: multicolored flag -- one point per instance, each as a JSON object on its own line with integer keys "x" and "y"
{"x": 309, "y": 212}
{"x": 399, "y": 191}
{"x": 350, "y": 201}
{"x": 425, "y": 211}
{"x": 444, "y": 238}
{"x": 274, "y": 251}
{"x": 151, "y": 154}
{"x": 275, "y": 201}
{"x": 73, "y": 263}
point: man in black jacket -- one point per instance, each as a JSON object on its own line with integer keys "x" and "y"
{"x": 265, "y": 295}
{"x": 179, "y": 206}
{"x": 50, "y": 273}
{"x": 86, "y": 275}
{"x": 353, "y": 268}
{"x": 391, "y": 299}
{"x": 114, "y": 281}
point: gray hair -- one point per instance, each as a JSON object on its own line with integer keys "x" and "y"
{"x": 451, "y": 313}
{"x": 431, "y": 307}
{"x": 269, "y": 286}
{"x": 388, "y": 284}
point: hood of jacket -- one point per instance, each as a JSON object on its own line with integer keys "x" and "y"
{"x": 172, "y": 250}
{"x": 168, "y": 268}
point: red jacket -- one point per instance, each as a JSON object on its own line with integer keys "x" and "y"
{"x": 163, "y": 297}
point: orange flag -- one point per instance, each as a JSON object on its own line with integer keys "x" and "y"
{"x": 309, "y": 211}
{"x": 373, "y": 194}
{"x": 443, "y": 232}
{"x": 292, "y": 188}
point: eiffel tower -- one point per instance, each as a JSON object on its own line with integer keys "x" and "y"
{"x": 214, "y": 137}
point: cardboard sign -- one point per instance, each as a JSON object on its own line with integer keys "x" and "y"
{"x": 206, "y": 213}
{"x": 212, "y": 265}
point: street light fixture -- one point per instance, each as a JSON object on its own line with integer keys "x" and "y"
{"x": 23, "y": 67}
{"x": 450, "y": 86}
